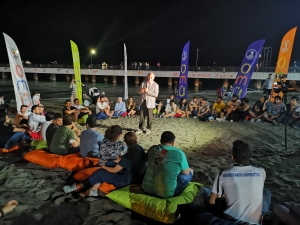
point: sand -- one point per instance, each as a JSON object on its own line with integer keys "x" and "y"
{"x": 206, "y": 144}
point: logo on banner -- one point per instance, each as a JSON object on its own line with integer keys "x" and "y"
{"x": 251, "y": 54}
{"x": 15, "y": 53}
{"x": 285, "y": 46}
{"x": 245, "y": 68}
{"x": 76, "y": 56}
{"x": 19, "y": 71}
{"x": 184, "y": 56}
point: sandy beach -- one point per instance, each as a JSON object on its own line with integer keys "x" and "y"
{"x": 206, "y": 144}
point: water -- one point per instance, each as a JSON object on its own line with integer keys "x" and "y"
{"x": 61, "y": 90}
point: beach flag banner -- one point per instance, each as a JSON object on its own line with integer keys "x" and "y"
{"x": 76, "y": 64}
{"x": 125, "y": 74}
{"x": 184, "y": 72}
{"x": 18, "y": 75}
{"x": 246, "y": 70}
{"x": 283, "y": 61}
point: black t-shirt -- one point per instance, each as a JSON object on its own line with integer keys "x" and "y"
{"x": 134, "y": 162}
{"x": 65, "y": 108}
{"x": 49, "y": 133}
{"x": 6, "y": 132}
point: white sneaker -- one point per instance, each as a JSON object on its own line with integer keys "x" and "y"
{"x": 252, "y": 120}
{"x": 139, "y": 131}
{"x": 148, "y": 131}
{"x": 195, "y": 117}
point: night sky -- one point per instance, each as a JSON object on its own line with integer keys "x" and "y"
{"x": 152, "y": 30}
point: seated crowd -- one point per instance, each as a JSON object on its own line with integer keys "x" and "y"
{"x": 163, "y": 171}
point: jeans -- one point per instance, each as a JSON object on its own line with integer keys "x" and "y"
{"x": 117, "y": 114}
{"x": 101, "y": 116}
{"x": 182, "y": 182}
{"x": 117, "y": 179}
{"x": 16, "y": 138}
{"x": 206, "y": 193}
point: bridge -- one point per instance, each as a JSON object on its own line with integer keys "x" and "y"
{"x": 170, "y": 72}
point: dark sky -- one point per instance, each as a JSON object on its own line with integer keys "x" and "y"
{"x": 152, "y": 30}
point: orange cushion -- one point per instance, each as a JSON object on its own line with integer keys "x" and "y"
{"x": 4, "y": 150}
{"x": 75, "y": 162}
{"x": 42, "y": 158}
{"x": 106, "y": 188}
{"x": 84, "y": 174}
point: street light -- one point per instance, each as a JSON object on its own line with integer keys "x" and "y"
{"x": 92, "y": 53}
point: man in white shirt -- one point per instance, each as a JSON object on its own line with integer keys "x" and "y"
{"x": 170, "y": 109}
{"x": 267, "y": 86}
{"x": 35, "y": 121}
{"x": 1, "y": 100}
{"x": 243, "y": 187}
{"x": 45, "y": 125}
{"x": 83, "y": 109}
{"x": 103, "y": 109}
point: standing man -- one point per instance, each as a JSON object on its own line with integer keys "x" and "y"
{"x": 149, "y": 92}
{"x": 267, "y": 86}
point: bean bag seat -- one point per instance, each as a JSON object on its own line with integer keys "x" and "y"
{"x": 84, "y": 174}
{"x": 82, "y": 119}
{"x": 75, "y": 162}
{"x": 39, "y": 144}
{"x": 4, "y": 150}
{"x": 162, "y": 210}
{"x": 42, "y": 158}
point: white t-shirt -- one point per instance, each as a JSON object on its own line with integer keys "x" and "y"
{"x": 1, "y": 101}
{"x": 44, "y": 127}
{"x": 243, "y": 189}
{"x": 36, "y": 100}
{"x": 78, "y": 106}
{"x": 101, "y": 105}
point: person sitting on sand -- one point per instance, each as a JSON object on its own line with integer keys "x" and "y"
{"x": 10, "y": 136}
{"x": 218, "y": 107}
{"x": 259, "y": 108}
{"x": 103, "y": 109}
{"x": 121, "y": 172}
{"x": 231, "y": 107}
{"x": 120, "y": 108}
{"x": 131, "y": 107}
{"x": 35, "y": 120}
{"x": 46, "y": 124}
{"x": 66, "y": 138}
{"x": 274, "y": 110}
{"x": 182, "y": 108}
{"x": 287, "y": 117}
{"x": 83, "y": 109}
{"x": 286, "y": 214}
{"x": 56, "y": 122}
{"x": 8, "y": 207}
{"x": 203, "y": 111}
{"x": 170, "y": 109}
{"x": 90, "y": 139}
{"x": 296, "y": 117}
{"x": 111, "y": 147}
{"x": 203, "y": 101}
{"x": 70, "y": 110}
{"x": 243, "y": 187}
{"x": 193, "y": 107}
{"x": 21, "y": 117}
{"x": 168, "y": 172}
{"x": 243, "y": 109}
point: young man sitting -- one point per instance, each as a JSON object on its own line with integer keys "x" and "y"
{"x": 218, "y": 107}
{"x": 70, "y": 110}
{"x": 84, "y": 112}
{"x": 274, "y": 110}
{"x": 90, "y": 139}
{"x": 168, "y": 172}
{"x": 103, "y": 109}
{"x": 170, "y": 109}
{"x": 22, "y": 116}
{"x": 193, "y": 107}
{"x": 231, "y": 107}
{"x": 35, "y": 120}
{"x": 243, "y": 187}
{"x": 56, "y": 122}
{"x": 64, "y": 140}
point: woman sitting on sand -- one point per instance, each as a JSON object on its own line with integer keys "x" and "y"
{"x": 182, "y": 107}
{"x": 127, "y": 170}
{"x": 259, "y": 108}
{"x": 131, "y": 107}
{"x": 111, "y": 148}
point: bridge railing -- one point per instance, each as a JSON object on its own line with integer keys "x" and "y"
{"x": 155, "y": 68}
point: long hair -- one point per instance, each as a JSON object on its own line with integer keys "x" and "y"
{"x": 128, "y": 103}
{"x": 180, "y": 102}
